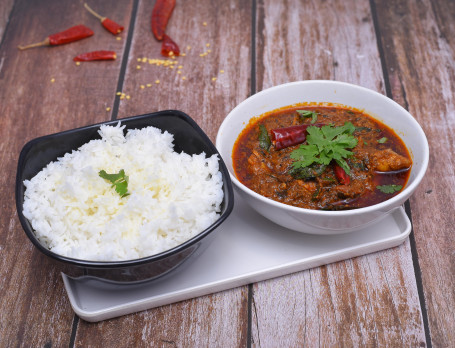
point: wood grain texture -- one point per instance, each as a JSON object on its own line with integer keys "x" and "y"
{"x": 209, "y": 86}
{"x": 219, "y": 320}
{"x": 5, "y": 9}
{"x": 209, "y": 321}
{"x": 424, "y": 83}
{"x": 34, "y": 309}
{"x": 366, "y": 301}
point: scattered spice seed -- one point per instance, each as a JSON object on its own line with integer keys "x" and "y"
{"x": 142, "y": 86}
{"x": 138, "y": 67}
{"x": 149, "y": 85}
{"x": 128, "y": 97}
{"x": 52, "y": 80}
{"x": 221, "y": 71}
{"x": 118, "y": 93}
{"x": 213, "y": 78}
{"x": 108, "y": 109}
{"x": 204, "y": 24}
{"x": 157, "y": 81}
{"x": 78, "y": 63}
{"x": 118, "y": 38}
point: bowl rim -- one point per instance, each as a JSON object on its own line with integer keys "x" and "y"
{"x": 228, "y": 196}
{"x": 385, "y": 205}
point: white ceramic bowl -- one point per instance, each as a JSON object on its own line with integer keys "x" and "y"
{"x": 320, "y": 91}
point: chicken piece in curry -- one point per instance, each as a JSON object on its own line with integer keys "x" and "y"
{"x": 321, "y": 157}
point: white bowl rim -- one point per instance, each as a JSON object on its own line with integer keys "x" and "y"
{"x": 382, "y": 206}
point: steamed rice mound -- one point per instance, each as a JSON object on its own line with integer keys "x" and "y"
{"x": 76, "y": 213}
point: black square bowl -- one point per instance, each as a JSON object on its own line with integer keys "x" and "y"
{"x": 188, "y": 137}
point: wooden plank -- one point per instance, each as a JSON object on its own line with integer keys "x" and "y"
{"x": 34, "y": 310}
{"x": 5, "y": 10}
{"x": 366, "y": 301}
{"x": 220, "y": 319}
{"x": 423, "y": 82}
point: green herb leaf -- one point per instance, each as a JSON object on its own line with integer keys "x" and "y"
{"x": 308, "y": 114}
{"x": 324, "y": 145}
{"x": 263, "y": 137}
{"x": 119, "y": 181}
{"x": 309, "y": 172}
{"x": 382, "y": 140}
{"x": 389, "y": 188}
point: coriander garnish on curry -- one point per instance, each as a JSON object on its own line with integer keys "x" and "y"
{"x": 321, "y": 157}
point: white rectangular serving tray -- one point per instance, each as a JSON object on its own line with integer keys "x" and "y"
{"x": 248, "y": 248}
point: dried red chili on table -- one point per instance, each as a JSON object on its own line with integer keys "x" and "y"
{"x": 160, "y": 16}
{"x": 107, "y": 23}
{"x": 95, "y": 55}
{"x": 169, "y": 47}
{"x": 72, "y": 34}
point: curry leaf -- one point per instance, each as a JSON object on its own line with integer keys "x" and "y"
{"x": 263, "y": 137}
{"x": 382, "y": 140}
{"x": 324, "y": 145}
{"x": 389, "y": 188}
{"x": 119, "y": 181}
{"x": 308, "y": 114}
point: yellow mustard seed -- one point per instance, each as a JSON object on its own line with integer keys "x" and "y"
{"x": 142, "y": 86}
{"x": 179, "y": 72}
{"x": 213, "y": 78}
{"x": 144, "y": 60}
{"x": 138, "y": 67}
{"x": 52, "y": 80}
{"x": 139, "y": 60}
{"x": 118, "y": 93}
{"x": 204, "y": 24}
{"x": 207, "y": 45}
{"x": 157, "y": 81}
{"x": 108, "y": 109}
{"x": 183, "y": 54}
{"x": 221, "y": 71}
{"x": 118, "y": 38}
{"x": 188, "y": 48}
{"x": 149, "y": 85}
{"x": 180, "y": 67}
{"x": 128, "y": 97}
{"x": 78, "y": 63}
{"x": 183, "y": 77}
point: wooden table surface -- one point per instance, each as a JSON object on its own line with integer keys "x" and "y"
{"x": 402, "y": 296}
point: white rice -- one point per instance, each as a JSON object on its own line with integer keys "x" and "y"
{"x": 76, "y": 213}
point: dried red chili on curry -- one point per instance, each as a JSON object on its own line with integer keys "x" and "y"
{"x": 346, "y": 160}
{"x": 72, "y": 34}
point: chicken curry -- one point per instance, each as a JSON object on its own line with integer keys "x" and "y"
{"x": 321, "y": 157}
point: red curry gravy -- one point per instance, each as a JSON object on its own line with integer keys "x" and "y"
{"x": 380, "y": 161}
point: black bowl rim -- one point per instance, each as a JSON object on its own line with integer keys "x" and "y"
{"x": 134, "y": 262}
